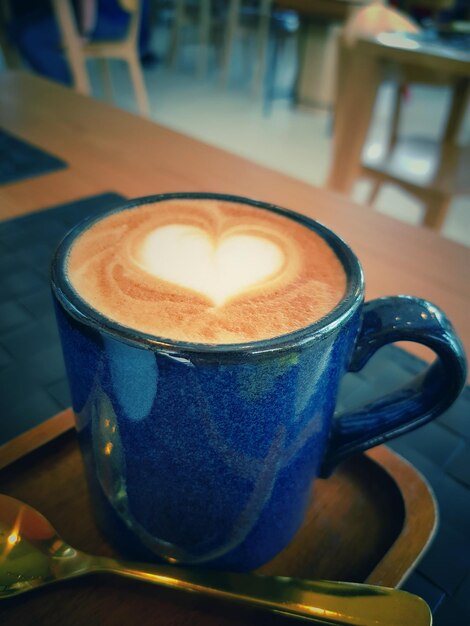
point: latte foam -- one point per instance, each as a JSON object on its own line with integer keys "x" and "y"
{"x": 189, "y": 257}
{"x": 206, "y": 271}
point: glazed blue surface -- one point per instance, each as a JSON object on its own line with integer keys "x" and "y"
{"x": 386, "y": 320}
{"x": 206, "y": 454}
{"x": 203, "y": 461}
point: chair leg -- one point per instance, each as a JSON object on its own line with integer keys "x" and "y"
{"x": 73, "y": 47}
{"x": 231, "y": 28}
{"x": 270, "y": 78}
{"x": 175, "y": 36}
{"x": 397, "y": 106}
{"x": 374, "y": 192}
{"x": 204, "y": 31}
{"x": 140, "y": 89}
{"x": 105, "y": 72}
{"x": 262, "y": 39}
{"x": 457, "y": 111}
{"x": 437, "y": 208}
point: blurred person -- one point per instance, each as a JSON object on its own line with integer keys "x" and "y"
{"x": 425, "y": 12}
{"x": 35, "y": 32}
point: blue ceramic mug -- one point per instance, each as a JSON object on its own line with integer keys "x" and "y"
{"x": 205, "y": 454}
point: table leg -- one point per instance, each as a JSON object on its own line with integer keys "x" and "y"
{"x": 458, "y": 109}
{"x": 437, "y": 208}
{"x": 360, "y": 79}
{"x": 316, "y": 80}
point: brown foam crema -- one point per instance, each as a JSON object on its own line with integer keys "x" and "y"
{"x": 206, "y": 271}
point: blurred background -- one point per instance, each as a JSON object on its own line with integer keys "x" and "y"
{"x": 265, "y": 79}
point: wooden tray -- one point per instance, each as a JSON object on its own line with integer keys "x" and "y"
{"x": 369, "y": 522}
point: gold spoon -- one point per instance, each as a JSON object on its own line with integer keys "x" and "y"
{"x": 32, "y": 554}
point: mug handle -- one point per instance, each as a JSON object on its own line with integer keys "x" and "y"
{"x": 386, "y": 320}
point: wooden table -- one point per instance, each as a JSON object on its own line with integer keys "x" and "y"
{"x": 321, "y": 9}
{"x": 376, "y": 58}
{"x": 321, "y": 21}
{"x": 110, "y": 150}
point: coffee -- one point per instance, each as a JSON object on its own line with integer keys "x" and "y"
{"x": 206, "y": 271}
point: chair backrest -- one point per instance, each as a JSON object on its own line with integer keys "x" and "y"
{"x": 72, "y": 44}
{"x": 134, "y": 7}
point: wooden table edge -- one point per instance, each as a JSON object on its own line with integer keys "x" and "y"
{"x": 36, "y": 437}
{"x": 423, "y": 55}
{"x": 418, "y": 499}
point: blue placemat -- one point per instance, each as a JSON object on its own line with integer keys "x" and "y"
{"x": 441, "y": 452}
{"x": 33, "y": 387}
{"x": 20, "y": 159}
{"x": 32, "y": 377}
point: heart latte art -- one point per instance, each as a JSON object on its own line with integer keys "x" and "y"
{"x": 189, "y": 257}
{"x": 206, "y": 271}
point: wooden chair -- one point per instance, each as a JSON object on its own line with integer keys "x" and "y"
{"x": 78, "y": 52}
{"x": 202, "y": 12}
{"x": 432, "y": 171}
{"x": 234, "y": 22}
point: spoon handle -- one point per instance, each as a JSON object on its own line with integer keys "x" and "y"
{"x": 324, "y": 602}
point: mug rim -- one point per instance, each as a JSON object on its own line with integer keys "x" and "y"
{"x": 79, "y": 309}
